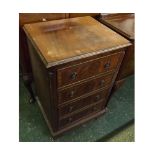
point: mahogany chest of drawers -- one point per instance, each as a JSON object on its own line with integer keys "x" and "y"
{"x": 75, "y": 62}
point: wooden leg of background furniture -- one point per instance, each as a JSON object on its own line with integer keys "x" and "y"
{"x": 28, "y": 85}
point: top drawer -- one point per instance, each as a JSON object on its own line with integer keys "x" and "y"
{"x": 87, "y": 69}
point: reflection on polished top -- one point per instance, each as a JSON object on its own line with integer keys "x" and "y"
{"x": 124, "y": 23}
{"x": 68, "y": 39}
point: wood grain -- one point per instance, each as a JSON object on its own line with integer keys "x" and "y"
{"x": 83, "y": 102}
{"x": 88, "y": 69}
{"x": 85, "y": 87}
{"x": 81, "y": 115}
{"x": 61, "y": 40}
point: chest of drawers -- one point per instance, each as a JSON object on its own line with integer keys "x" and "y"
{"x": 75, "y": 62}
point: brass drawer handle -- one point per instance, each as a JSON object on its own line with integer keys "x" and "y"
{"x": 70, "y": 119}
{"x": 97, "y": 97}
{"x": 102, "y": 83}
{"x": 107, "y": 65}
{"x": 70, "y": 109}
{"x": 73, "y": 75}
{"x": 72, "y": 93}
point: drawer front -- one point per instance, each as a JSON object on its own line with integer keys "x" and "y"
{"x": 82, "y": 103}
{"x": 90, "y": 68}
{"x": 81, "y": 89}
{"x": 85, "y": 113}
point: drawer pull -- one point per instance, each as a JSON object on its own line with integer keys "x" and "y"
{"x": 107, "y": 65}
{"x": 73, "y": 75}
{"x": 102, "y": 83}
{"x": 94, "y": 108}
{"x": 72, "y": 93}
{"x": 70, "y": 119}
{"x": 70, "y": 109}
{"x": 97, "y": 97}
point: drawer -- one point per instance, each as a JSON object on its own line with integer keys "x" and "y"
{"x": 81, "y": 115}
{"x": 81, "y": 89}
{"x": 82, "y": 103}
{"x": 87, "y": 69}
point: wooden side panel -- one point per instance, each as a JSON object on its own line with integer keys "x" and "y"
{"x": 42, "y": 85}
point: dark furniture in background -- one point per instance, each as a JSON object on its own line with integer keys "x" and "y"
{"x": 122, "y": 23}
{"x": 74, "y": 69}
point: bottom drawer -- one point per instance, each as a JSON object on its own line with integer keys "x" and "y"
{"x": 81, "y": 115}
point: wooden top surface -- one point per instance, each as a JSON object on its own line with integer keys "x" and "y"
{"x": 123, "y": 23}
{"x": 65, "y": 40}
